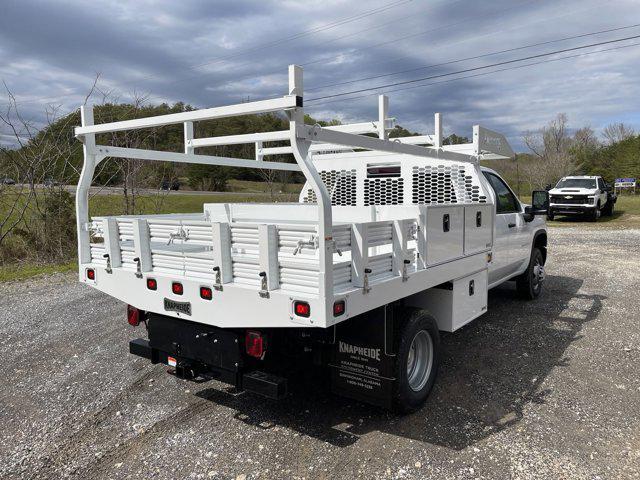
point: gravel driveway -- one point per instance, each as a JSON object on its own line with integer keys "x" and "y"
{"x": 544, "y": 389}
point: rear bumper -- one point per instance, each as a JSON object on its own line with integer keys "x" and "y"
{"x": 196, "y": 350}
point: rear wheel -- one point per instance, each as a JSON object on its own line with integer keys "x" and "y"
{"x": 417, "y": 361}
{"x": 529, "y": 284}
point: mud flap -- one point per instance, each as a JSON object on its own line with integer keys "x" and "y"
{"x": 363, "y": 359}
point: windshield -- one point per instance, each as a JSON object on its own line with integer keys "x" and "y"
{"x": 577, "y": 183}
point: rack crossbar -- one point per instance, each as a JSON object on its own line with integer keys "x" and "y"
{"x": 121, "y": 152}
{"x": 287, "y": 102}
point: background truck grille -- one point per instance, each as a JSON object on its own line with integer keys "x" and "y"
{"x": 572, "y": 200}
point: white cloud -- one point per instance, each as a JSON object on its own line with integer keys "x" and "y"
{"x": 208, "y": 53}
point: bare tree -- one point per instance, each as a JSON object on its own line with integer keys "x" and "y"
{"x": 617, "y": 132}
{"x": 551, "y": 147}
{"x": 40, "y": 160}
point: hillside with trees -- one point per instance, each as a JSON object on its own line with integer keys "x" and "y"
{"x": 37, "y": 222}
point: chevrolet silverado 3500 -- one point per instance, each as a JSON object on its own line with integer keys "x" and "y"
{"x": 392, "y": 241}
{"x": 581, "y": 195}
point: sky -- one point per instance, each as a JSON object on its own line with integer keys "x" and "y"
{"x": 209, "y": 53}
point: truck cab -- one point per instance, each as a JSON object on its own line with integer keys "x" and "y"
{"x": 589, "y": 196}
{"x": 516, "y": 234}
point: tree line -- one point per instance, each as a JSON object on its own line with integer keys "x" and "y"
{"x": 37, "y": 214}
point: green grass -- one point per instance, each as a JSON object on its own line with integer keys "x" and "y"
{"x": 625, "y": 215}
{"x": 100, "y": 205}
{"x": 15, "y": 272}
{"x": 248, "y": 186}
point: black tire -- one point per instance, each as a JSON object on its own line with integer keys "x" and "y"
{"x": 608, "y": 208}
{"x": 529, "y": 284}
{"x": 595, "y": 214}
{"x": 411, "y": 389}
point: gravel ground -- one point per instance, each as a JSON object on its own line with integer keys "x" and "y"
{"x": 544, "y": 389}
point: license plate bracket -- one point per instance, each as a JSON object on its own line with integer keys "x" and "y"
{"x": 179, "y": 307}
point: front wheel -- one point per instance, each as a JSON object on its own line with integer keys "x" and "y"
{"x": 529, "y": 284}
{"x": 608, "y": 208}
{"x": 595, "y": 214}
{"x": 417, "y": 361}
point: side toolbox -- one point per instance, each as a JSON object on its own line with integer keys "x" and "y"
{"x": 454, "y": 304}
{"x": 445, "y": 239}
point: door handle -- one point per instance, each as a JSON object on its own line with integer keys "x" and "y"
{"x": 511, "y": 225}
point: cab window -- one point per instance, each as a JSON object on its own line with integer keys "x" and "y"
{"x": 506, "y": 201}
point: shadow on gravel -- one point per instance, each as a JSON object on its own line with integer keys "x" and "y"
{"x": 491, "y": 370}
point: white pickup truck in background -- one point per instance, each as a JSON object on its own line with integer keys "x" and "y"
{"x": 581, "y": 195}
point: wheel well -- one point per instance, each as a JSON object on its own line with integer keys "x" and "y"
{"x": 540, "y": 241}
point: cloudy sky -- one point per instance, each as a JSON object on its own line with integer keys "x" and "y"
{"x": 210, "y": 53}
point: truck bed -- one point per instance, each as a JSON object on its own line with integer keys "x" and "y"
{"x": 383, "y": 251}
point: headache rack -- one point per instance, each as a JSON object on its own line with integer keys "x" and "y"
{"x": 379, "y": 219}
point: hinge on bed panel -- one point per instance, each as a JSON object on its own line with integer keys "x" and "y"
{"x": 413, "y": 231}
{"x": 108, "y": 269}
{"x": 218, "y": 282}
{"x": 365, "y": 283}
{"x": 405, "y": 274}
{"x": 264, "y": 292}
{"x": 138, "y": 267}
{"x": 311, "y": 243}
{"x": 181, "y": 234}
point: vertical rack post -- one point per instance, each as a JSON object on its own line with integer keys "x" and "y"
{"x": 84, "y": 184}
{"x": 325, "y": 223}
{"x": 188, "y": 136}
{"x": 437, "y": 138}
{"x": 383, "y": 110}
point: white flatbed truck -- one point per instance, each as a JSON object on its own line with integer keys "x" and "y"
{"x": 392, "y": 241}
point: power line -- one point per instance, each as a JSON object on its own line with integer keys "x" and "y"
{"x": 296, "y": 36}
{"x": 480, "y": 74}
{"x": 506, "y": 62}
{"x": 418, "y": 34}
{"x": 473, "y": 18}
{"x": 280, "y": 41}
{"x": 362, "y": 79}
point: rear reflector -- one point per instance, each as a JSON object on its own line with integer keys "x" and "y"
{"x": 91, "y": 274}
{"x": 206, "y": 293}
{"x": 254, "y": 344}
{"x": 133, "y": 316}
{"x": 302, "y": 309}
{"x": 339, "y": 308}
{"x": 177, "y": 288}
{"x": 152, "y": 284}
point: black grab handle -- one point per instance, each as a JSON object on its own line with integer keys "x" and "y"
{"x": 446, "y": 224}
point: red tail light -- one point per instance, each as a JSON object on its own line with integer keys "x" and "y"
{"x": 91, "y": 274}
{"x": 133, "y": 316}
{"x": 254, "y": 344}
{"x": 206, "y": 293}
{"x": 152, "y": 284}
{"x": 302, "y": 309}
{"x": 339, "y": 308}
{"x": 177, "y": 288}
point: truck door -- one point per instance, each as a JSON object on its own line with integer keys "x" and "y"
{"x": 602, "y": 193}
{"x": 511, "y": 235}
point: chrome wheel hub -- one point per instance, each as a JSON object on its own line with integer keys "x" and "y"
{"x": 419, "y": 360}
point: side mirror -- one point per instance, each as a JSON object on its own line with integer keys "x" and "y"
{"x": 539, "y": 205}
{"x": 540, "y": 202}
